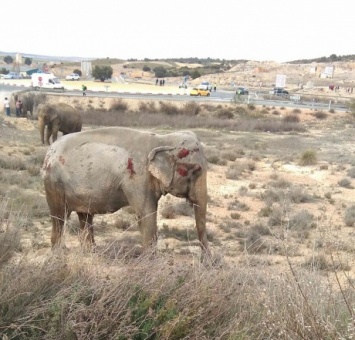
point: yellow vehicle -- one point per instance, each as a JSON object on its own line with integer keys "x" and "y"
{"x": 199, "y": 92}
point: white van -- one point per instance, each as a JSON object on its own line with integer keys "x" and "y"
{"x": 46, "y": 81}
{"x": 205, "y": 85}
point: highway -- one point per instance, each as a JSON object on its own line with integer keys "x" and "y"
{"x": 222, "y": 96}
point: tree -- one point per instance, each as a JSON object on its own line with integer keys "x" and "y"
{"x": 195, "y": 74}
{"x": 77, "y": 72}
{"x": 102, "y": 72}
{"x": 8, "y": 59}
{"x": 28, "y": 61}
{"x": 160, "y": 72}
{"x": 146, "y": 68}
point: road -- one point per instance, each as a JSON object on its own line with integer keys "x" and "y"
{"x": 219, "y": 96}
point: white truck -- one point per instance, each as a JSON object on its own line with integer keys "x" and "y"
{"x": 46, "y": 81}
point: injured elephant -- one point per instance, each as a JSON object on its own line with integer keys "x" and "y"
{"x": 102, "y": 170}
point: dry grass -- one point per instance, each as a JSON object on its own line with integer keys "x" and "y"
{"x": 282, "y": 255}
{"x": 63, "y": 299}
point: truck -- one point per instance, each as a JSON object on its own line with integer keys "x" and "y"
{"x": 46, "y": 81}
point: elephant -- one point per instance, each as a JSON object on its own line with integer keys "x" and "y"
{"x": 102, "y": 170}
{"x": 28, "y": 100}
{"x": 58, "y": 117}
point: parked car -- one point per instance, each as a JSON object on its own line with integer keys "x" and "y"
{"x": 205, "y": 85}
{"x": 12, "y": 75}
{"x": 73, "y": 76}
{"x": 242, "y": 90}
{"x": 199, "y": 92}
{"x": 279, "y": 91}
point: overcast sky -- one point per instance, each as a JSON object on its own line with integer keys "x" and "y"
{"x": 227, "y": 29}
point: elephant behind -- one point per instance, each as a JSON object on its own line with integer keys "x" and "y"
{"x": 102, "y": 170}
{"x": 29, "y": 101}
{"x": 57, "y": 117}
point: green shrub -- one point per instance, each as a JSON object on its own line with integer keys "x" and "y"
{"x": 309, "y": 157}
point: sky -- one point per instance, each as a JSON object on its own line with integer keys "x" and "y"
{"x": 259, "y": 30}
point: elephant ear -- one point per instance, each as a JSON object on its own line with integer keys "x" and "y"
{"x": 52, "y": 113}
{"x": 161, "y": 164}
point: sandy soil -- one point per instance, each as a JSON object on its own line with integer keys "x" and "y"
{"x": 237, "y": 206}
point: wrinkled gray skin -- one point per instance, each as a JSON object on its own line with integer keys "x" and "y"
{"x": 103, "y": 170}
{"x": 57, "y": 117}
{"x": 28, "y": 102}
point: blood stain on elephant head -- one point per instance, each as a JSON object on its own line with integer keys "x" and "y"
{"x": 182, "y": 171}
{"x": 130, "y": 167}
{"x": 183, "y": 153}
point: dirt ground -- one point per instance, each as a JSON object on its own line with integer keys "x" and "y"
{"x": 244, "y": 217}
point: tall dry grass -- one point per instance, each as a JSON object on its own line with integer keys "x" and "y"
{"x": 81, "y": 297}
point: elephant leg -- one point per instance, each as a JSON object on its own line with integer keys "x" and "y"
{"x": 199, "y": 202}
{"x": 55, "y": 130}
{"x": 58, "y": 219}
{"x": 57, "y": 230}
{"x": 49, "y": 134}
{"x": 148, "y": 226}
{"x": 86, "y": 231}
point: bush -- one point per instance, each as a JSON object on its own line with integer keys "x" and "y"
{"x": 349, "y": 217}
{"x": 119, "y": 105}
{"x": 309, "y": 157}
{"x": 191, "y": 108}
{"x": 240, "y": 110}
{"x": 147, "y": 107}
{"x": 320, "y": 115}
{"x": 291, "y": 119}
{"x": 225, "y": 114}
{"x": 168, "y": 108}
{"x": 351, "y": 172}
{"x": 345, "y": 183}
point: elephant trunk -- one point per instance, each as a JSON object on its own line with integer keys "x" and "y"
{"x": 198, "y": 197}
{"x": 41, "y": 127}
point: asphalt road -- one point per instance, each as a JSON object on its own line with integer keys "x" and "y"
{"x": 218, "y": 96}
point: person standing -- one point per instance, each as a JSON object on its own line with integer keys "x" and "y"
{"x": 84, "y": 90}
{"x": 7, "y": 106}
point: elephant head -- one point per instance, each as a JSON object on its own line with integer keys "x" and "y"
{"x": 46, "y": 114}
{"x": 182, "y": 172}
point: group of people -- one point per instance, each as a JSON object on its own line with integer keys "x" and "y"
{"x": 18, "y": 106}
{"x": 161, "y": 82}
